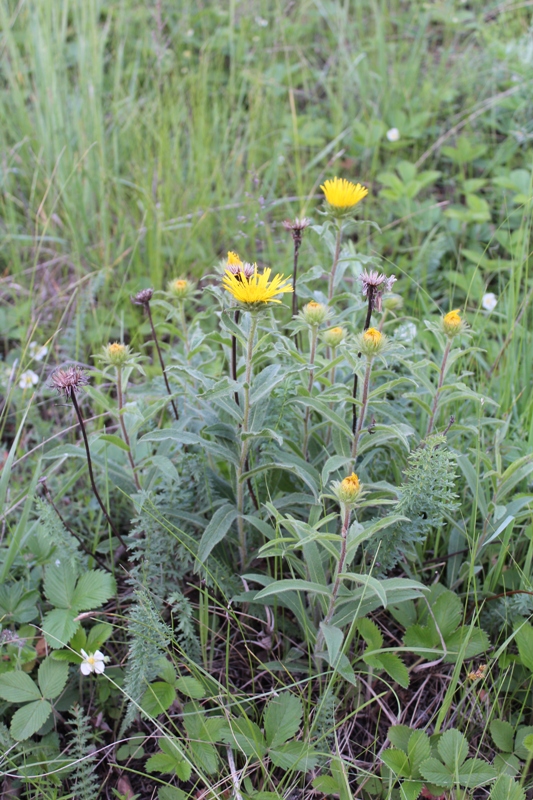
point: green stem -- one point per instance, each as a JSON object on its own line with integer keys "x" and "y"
{"x": 245, "y": 442}
{"x": 335, "y": 262}
{"x": 120, "y": 402}
{"x": 184, "y": 328}
{"x": 312, "y": 356}
{"x": 364, "y": 404}
{"x": 446, "y": 353}
{"x": 338, "y": 573}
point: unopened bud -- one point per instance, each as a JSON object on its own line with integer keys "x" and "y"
{"x": 314, "y": 313}
{"x": 334, "y": 336}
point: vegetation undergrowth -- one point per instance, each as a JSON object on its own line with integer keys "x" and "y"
{"x": 265, "y": 400}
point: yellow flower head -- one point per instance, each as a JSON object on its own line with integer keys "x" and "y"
{"x": 117, "y": 349}
{"x": 233, "y": 259}
{"x": 348, "y": 490}
{"x": 257, "y": 290}
{"x": 452, "y": 324}
{"x": 314, "y": 313}
{"x": 334, "y": 336}
{"x": 115, "y": 354}
{"x": 180, "y": 288}
{"x": 342, "y": 195}
{"x": 372, "y": 342}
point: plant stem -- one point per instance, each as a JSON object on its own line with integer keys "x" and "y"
{"x": 370, "y": 298}
{"x": 439, "y": 387}
{"x": 297, "y": 242}
{"x": 234, "y": 354}
{"x": 90, "y": 467}
{"x": 80, "y": 541}
{"x": 184, "y": 328}
{"x": 335, "y": 262}
{"x": 160, "y": 354}
{"x": 245, "y": 444}
{"x": 338, "y": 573}
{"x": 312, "y": 356}
{"x": 364, "y": 404}
{"x": 120, "y": 401}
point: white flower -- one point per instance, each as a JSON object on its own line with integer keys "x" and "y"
{"x": 92, "y": 662}
{"x": 488, "y": 301}
{"x": 28, "y": 379}
{"x": 37, "y": 352}
{"x": 393, "y": 134}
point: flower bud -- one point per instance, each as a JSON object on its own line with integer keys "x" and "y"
{"x": 180, "y": 288}
{"x": 314, "y": 313}
{"x": 334, "y": 336}
{"x": 115, "y": 354}
{"x": 348, "y": 490}
{"x": 452, "y": 324}
{"x": 392, "y": 302}
{"x": 372, "y": 342}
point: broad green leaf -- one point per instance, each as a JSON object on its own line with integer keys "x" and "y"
{"x": 98, "y": 634}
{"x": 282, "y": 719}
{"x": 278, "y": 587}
{"x": 419, "y": 749}
{"x": 113, "y": 439}
{"x": 507, "y": 789}
{"x": 170, "y": 793}
{"x": 447, "y": 613}
{"x": 435, "y": 772}
{"x": 398, "y": 762}
{"x": 394, "y": 666}
{"x": 524, "y": 642}
{"x": 410, "y": 790}
{"x": 399, "y": 736}
{"x": 216, "y": 530}
{"x": 59, "y": 627}
{"x": 204, "y": 756}
{"x": 502, "y": 734}
{"x": 18, "y": 687}
{"x": 161, "y": 762}
{"x": 420, "y": 637}
{"x": 520, "y": 745}
{"x": 334, "y": 638}
{"x": 190, "y": 687}
{"x": 476, "y": 639}
{"x": 93, "y": 589}
{"x": 370, "y": 633}
{"x": 294, "y": 755}
{"x": 475, "y": 772}
{"x": 243, "y": 734}
{"x": 59, "y": 583}
{"x": 453, "y": 748}
{"x": 52, "y": 677}
{"x": 158, "y": 698}
{"x": 28, "y": 719}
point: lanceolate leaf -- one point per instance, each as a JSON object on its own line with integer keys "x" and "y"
{"x": 216, "y": 530}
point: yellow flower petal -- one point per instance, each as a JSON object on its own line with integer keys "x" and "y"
{"x": 256, "y": 289}
{"x": 343, "y": 194}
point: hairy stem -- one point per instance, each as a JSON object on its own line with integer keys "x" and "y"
{"x": 297, "y": 242}
{"x": 312, "y": 356}
{"x": 120, "y": 402}
{"x": 184, "y": 328}
{"x": 335, "y": 262}
{"x": 245, "y": 444}
{"x": 431, "y": 420}
{"x": 364, "y": 404}
{"x": 90, "y": 467}
{"x": 337, "y": 581}
{"x": 160, "y": 354}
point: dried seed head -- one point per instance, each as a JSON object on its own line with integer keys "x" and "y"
{"x": 143, "y": 297}
{"x": 374, "y": 284}
{"x": 68, "y": 380}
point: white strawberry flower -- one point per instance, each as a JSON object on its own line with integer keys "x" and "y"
{"x": 37, "y": 351}
{"x": 92, "y": 662}
{"x": 28, "y": 379}
{"x": 488, "y": 301}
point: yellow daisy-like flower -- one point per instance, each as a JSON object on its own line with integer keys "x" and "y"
{"x": 348, "y": 491}
{"x": 233, "y": 259}
{"x": 452, "y": 323}
{"x": 256, "y": 290}
{"x": 372, "y": 336}
{"x": 343, "y": 195}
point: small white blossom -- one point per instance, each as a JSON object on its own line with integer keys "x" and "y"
{"x": 406, "y": 332}
{"x": 92, "y": 662}
{"x": 393, "y": 134}
{"x": 37, "y": 352}
{"x": 28, "y": 379}
{"x": 489, "y": 301}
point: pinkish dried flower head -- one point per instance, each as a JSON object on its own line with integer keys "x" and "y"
{"x": 374, "y": 284}
{"x": 68, "y": 380}
{"x": 143, "y": 297}
{"x": 296, "y": 224}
